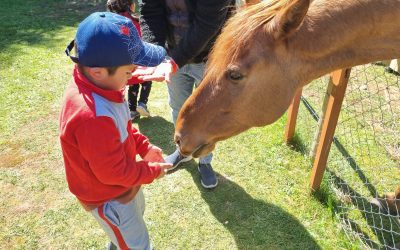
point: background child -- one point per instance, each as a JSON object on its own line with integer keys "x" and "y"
{"x": 127, "y": 8}
{"x": 98, "y": 141}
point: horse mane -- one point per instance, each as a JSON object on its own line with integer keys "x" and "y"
{"x": 234, "y": 39}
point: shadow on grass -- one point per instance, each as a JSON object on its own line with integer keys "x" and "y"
{"x": 382, "y": 225}
{"x": 255, "y": 224}
{"x": 36, "y": 22}
{"x": 159, "y": 131}
{"x": 352, "y": 162}
{"x": 297, "y": 144}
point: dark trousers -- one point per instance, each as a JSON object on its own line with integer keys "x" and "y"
{"x": 133, "y": 93}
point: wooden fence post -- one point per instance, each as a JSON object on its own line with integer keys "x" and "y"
{"x": 292, "y": 116}
{"x": 336, "y": 91}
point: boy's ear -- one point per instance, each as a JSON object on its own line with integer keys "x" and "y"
{"x": 97, "y": 73}
{"x": 288, "y": 19}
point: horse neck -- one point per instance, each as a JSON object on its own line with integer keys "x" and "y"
{"x": 344, "y": 33}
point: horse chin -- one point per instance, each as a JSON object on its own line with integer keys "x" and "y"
{"x": 203, "y": 150}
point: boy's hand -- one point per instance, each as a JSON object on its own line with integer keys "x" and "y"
{"x": 162, "y": 72}
{"x": 164, "y": 168}
{"x": 154, "y": 155}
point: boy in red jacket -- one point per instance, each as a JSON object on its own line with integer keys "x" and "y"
{"x": 98, "y": 141}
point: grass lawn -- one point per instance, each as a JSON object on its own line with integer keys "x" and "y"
{"x": 262, "y": 202}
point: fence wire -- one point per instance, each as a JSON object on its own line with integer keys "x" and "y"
{"x": 364, "y": 161}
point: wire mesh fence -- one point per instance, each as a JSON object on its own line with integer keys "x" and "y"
{"x": 364, "y": 161}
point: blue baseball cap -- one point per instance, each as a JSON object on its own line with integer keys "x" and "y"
{"x": 106, "y": 39}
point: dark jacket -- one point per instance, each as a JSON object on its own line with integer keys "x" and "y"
{"x": 187, "y": 28}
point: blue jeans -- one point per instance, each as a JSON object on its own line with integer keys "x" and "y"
{"x": 123, "y": 223}
{"x": 181, "y": 87}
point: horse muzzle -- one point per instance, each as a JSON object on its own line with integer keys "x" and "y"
{"x": 203, "y": 150}
{"x": 188, "y": 147}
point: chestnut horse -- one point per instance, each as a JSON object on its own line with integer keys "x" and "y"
{"x": 268, "y": 50}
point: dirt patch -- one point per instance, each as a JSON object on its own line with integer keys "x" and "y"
{"x": 11, "y": 157}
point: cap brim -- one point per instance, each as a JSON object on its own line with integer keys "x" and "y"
{"x": 151, "y": 55}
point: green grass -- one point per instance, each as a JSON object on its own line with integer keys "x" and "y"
{"x": 262, "y": 202}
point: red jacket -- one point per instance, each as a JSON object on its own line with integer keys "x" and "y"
{"x": 99, "y": 144}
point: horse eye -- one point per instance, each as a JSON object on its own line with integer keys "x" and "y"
{"x": 235, "y": 75}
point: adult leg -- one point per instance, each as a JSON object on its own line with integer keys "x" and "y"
{"x": 179, "y": 89}
{"x": 195, "y": 73}
{"x": 208, "y": 176}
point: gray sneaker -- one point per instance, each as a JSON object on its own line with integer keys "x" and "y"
{"x": 134, "y": 115}
{"x": 208, "y": 177}
{"x": 175, "y": 159}
{"x": 142, "y": 109}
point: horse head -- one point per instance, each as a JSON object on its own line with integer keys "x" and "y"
{"x": 269, "y": 50}
{"x": 249, "y": 80}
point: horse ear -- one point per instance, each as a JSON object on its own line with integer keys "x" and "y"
{"x": 289, "y": 18}
{"x": 251, "y": 2}
{"x": 397, "y": 192}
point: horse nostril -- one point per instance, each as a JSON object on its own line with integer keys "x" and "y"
{"x": 177, "y": 140}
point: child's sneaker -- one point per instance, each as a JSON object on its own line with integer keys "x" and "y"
{"x": 142, "y": 109}
{"x": 135, "y": 115}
